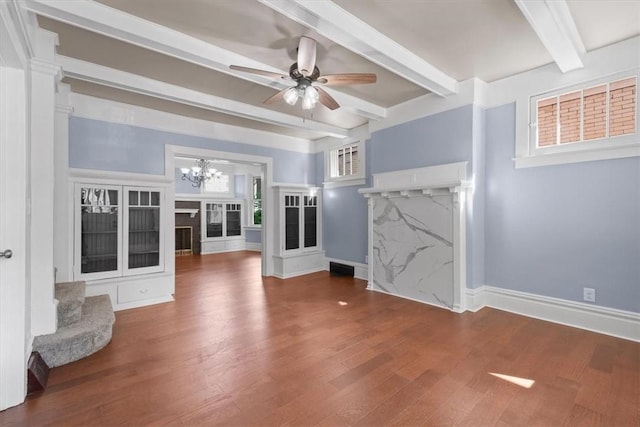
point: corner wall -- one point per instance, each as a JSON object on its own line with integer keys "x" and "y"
{"x": 451, "y": 136}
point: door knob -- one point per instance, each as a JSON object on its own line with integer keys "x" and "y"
{"x": 6, "y": 254}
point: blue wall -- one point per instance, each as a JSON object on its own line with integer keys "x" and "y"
{"x": 441, "y": 138}
{"x": 553, "y": 230}
{"x": 95, "y": 144}
{"x": 253, "y": 236}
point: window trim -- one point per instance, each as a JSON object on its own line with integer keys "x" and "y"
{"x": 614, "y": 147}
{"x": 349, "y": 180}
{"x": 251, "y": 199}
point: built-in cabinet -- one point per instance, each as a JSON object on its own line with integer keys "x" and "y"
{"x": 222, "y": 229}
{"x": 298, "y": 236}
{"x": 119, "y": 242}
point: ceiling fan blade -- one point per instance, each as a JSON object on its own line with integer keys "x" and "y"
{"x": 306, "y": 56}
{"x": 326, "y": 99}
{"x": 260, "y": 72}
{"x": 277, "y": 97}
{"x": 347, "y": 79}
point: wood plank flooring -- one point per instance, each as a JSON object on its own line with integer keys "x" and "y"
{"x": 237, "y": 349}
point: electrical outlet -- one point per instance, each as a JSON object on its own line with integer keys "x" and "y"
{"x": 589, "y": 294}
{"x": 366, "y": 259}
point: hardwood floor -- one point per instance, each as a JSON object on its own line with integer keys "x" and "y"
{"x": 238, "y": 349}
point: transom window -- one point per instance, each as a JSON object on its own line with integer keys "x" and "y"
{"x": 600, "y": 111}
{"x": 345, "y": 161}
{"x": 219, "y": 184}
{"x": 345, "y": 165}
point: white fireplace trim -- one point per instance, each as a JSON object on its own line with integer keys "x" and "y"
{"x": 421, "y": 182}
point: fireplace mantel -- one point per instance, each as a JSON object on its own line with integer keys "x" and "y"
{"x": 191, "y": 212}
{"x": 417, "y": 223}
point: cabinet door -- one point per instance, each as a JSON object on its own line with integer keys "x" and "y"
{"x": 310, "y": 221}
{"x": 97, "y": 230}
{"x": 143, "y": 239}
{"x": 291, "y": 222}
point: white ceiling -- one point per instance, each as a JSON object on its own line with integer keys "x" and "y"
{"x": 122, "y": 49}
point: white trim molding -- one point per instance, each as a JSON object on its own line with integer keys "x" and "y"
{"x": 604, "y": 320}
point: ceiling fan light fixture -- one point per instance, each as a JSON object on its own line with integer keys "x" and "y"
{"x": 291, "y": 96}
{"x": 304, "y": 72}
{"x": 310, "y": 98}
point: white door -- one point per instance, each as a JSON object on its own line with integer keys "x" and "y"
{"x": 14, "y": 292}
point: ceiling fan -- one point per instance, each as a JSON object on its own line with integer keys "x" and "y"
{"x": 305, "y": 74}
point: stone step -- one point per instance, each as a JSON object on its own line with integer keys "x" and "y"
{"x": 81, "y": 339}
{"x": 70, "y": 296}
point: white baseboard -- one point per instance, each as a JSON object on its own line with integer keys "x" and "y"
{"x": 221, "y": 251}
{"x": 296, "y": 273}
{"x": 609, "y": 321}
{"x": 360, "y": 271}
{"x": 256, "y": 247}
{"x": 143, "y": 303}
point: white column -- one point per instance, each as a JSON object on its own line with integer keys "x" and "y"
{"x": 459, "y": 250}
{"x": 62, "y": 211}
{"x": 369, "y": 242}
{"x": 44, "y": 77}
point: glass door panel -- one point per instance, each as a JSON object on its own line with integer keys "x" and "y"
{"x": 310, "y": 221}
{"x": 144, "y": 229}
{"x": 292, "y": 222}
{"x": 98, "y": 230}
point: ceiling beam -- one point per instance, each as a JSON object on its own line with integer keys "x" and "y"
{"x": 556, "y": 29}
{"x": 114, "y": 23}
{"x": 334, "y": 23}
{"x": 98, "y": 74}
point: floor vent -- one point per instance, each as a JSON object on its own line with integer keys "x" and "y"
{"x": 338, "y": 269}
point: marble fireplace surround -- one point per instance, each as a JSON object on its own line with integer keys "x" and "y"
{"x": 417, "y": 245}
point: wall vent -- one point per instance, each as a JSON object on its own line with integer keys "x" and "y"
{"x": 338, "y": 269}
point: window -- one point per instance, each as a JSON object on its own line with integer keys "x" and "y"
{"x": 219, "y": 184}
{"x": 214, "y": 219}
{"x": 345, "y": 165}
{"x": 222, "y": 219}
{"x": 256, "y": 201}
{"x": 234, "y": 222}
{"x": 344, "y": 161}
{"x": 591, "y": 121}
{"x": 601, "y": 111}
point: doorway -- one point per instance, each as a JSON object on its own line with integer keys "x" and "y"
{"x": 244, "y": 162}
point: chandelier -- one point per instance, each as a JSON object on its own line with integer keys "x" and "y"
{"x": 200, "y": 172}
